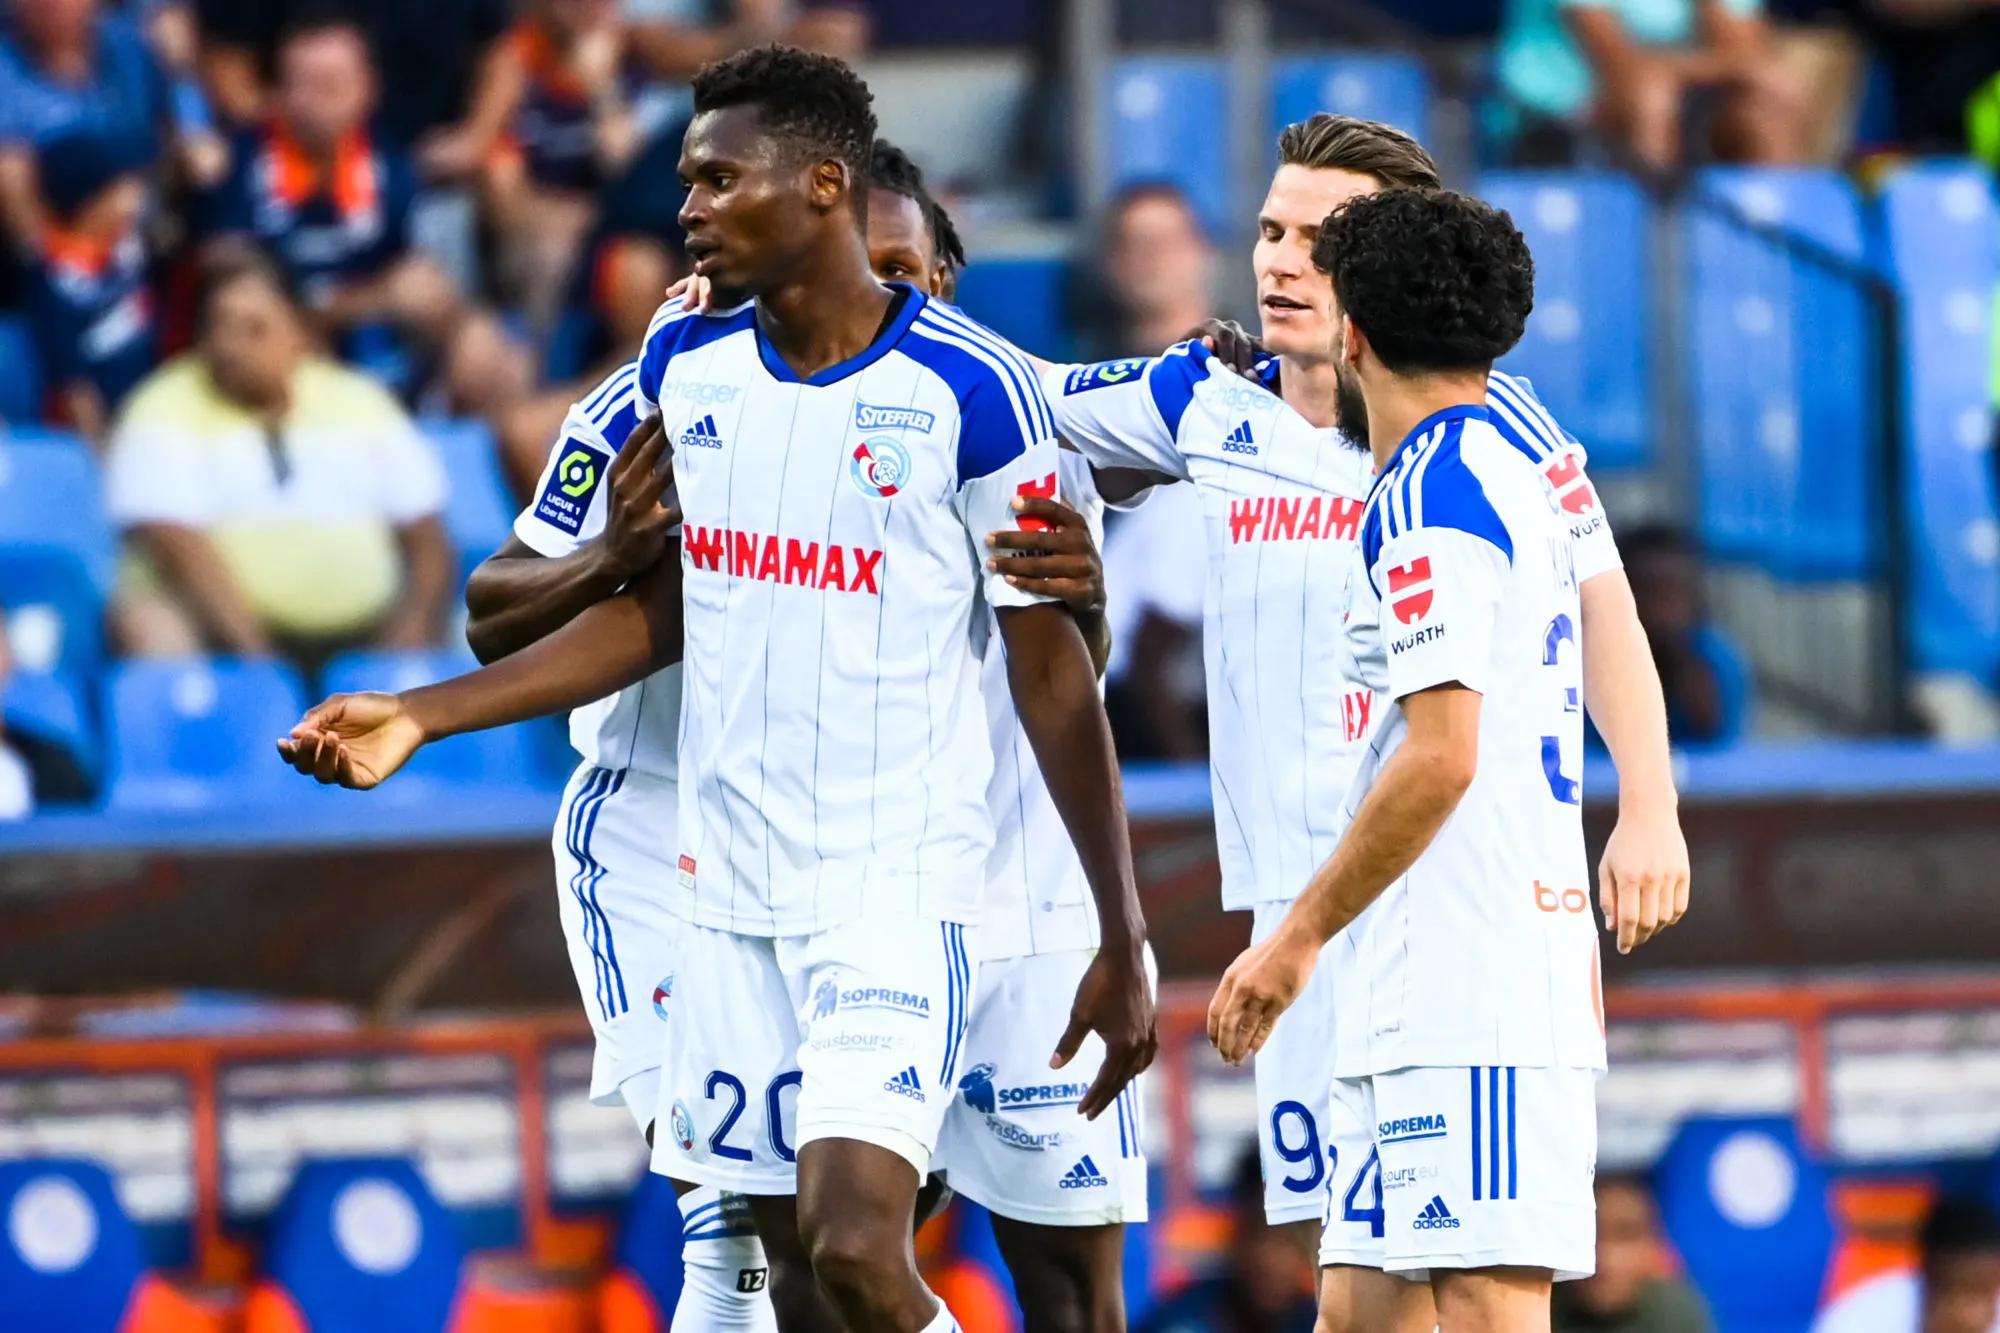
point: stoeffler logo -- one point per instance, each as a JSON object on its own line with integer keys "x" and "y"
{"x": 868, "y": 417}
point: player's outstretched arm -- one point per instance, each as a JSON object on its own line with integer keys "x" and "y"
{"x": 360, "y": 740}
{"x": 1055, "y": 692}
{"x": 1060, "y": 561}
{"x": 1642, "y": 882}
{"x": 1416, "y": 792}
{"x": 517, "y": 596}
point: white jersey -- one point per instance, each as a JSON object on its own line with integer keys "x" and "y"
{"x": 1037, "y": 899}
{"x": 638, "y": 727}
{"x": 1485, "y": 951}
{"x": 1281, "y": 504}
{"x": 834, "y": 752}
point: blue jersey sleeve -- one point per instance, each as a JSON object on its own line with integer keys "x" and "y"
{"x": 1127, "y": 414}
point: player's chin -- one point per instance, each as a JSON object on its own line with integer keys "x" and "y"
{"x": 1295, "y": 333}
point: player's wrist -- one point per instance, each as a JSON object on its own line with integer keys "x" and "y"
{"x": 420, "y": 706}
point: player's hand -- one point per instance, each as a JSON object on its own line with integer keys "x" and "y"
{"x": 1232, "y": 344}
{"x": 1642, "y": 882}
{"x": 1058, "y": 560}
{"x": 1114, "y": 1000}
{"x": 636, "y": 522}
{"x": 696, "y": 293}
{"x": 353, "y": 740}
{"x": 1260, "y": 985}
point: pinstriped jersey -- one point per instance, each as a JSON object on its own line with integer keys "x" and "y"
{"x": 1485, "y": 951}
{"x": 834, "y": 753}
{"x": 1281, "y": 502}
{"x": 637, "y": 727}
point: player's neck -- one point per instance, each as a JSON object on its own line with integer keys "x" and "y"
{"x": 1311, "y": 388}
{"x": 829, "y": 314}
{"x": 1397, "y": 404}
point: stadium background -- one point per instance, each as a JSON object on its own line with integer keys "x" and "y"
{"x": 216, "y": 975}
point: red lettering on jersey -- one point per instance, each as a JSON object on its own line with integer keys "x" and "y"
{"x": 865, "y": 565}
{"x": 1343, "y": 517}
{"x": 801, "y": 562}
{"x": 1245, "y": 516}
{"x": 1309, "y": 525}
{"x": 1572, "y": 488}
{"x": 743, "y": 555}
{"x": 1355, "y": 705}
{"x": 767, "y": 566}
{"x": 687, "y": 864}
{"x": 1045, "y": 489}
{"x": 705, "y": 547}
{"x": 1410, "y": 589}
{"x": 834, "y": 573}
{"x": 1285, "y": 523}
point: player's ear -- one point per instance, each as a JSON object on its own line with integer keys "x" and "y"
{"x": 1352, "y": 341}
{"x": 942, "y": 286}
{"x": 829, "y": 184}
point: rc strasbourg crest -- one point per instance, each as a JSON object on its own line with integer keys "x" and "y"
{"x": 1410, "y": 590}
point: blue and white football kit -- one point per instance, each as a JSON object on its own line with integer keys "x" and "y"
{"x": 834, "y": 828}
{"x": 1467, "y": 1008}
{"x": 1012, "y": 1140}
{"x": 1282, "y": 501}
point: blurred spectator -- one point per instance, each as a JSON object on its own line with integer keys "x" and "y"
{"x": 1267, "y": 1286}
{"x": 1954, "y": 1289}
{"x": 1652, "y": 73}
{"x": 89, "y": 294}
{"x": 443, "y": 94}
{"x": 677, "y": 37}
{"x": 1155, "y": 570}
{"x": 1633, "y": 1290}
{"x": 1701, "y": 669}
{"x": 1157, "y": 272}
{"x": 572, "y": 128}
{"x": 333, "y": 202}
{"x": 272, "y": 500}
{"x": 1943, "y": 62}
{"x": 17, "y": 794}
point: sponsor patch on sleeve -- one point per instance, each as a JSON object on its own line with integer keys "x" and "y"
{"x": 565, "y": 498}
{"x": 1103, "y": 374}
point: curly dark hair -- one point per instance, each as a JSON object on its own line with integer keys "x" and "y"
{"x": 814, "y": 103}
{"x": 1437, "y": 280}
{"x": 892, "y": 170}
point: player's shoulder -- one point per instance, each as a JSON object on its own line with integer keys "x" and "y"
{"x": 990, "y": 378}
{"x": 1449, "y": 477}
{"x": 1519, "y": 416}
{"x": 675, "y": 329}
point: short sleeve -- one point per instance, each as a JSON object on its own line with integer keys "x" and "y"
{"x": 1589, "y": 526}
{"x": 986, "y": 502}
{"x": 1440, "y": 594}
{"x": 153, "y": 474}
{"x": 1128, "y": 413}
{"x": 569, "y": 505}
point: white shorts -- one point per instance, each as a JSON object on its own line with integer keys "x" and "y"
{"x": 851, "y": 1033}
{"x": 1294, "y": 1073}
{"x": 1012, "y": 1139}
{"x": 614, "y": 848}
{"x": 1464, "y": 1168}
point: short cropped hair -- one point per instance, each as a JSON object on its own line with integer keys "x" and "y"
{"x": 1326, "y": 142}
{"x": 1438, "y": 281}
{"x": 815, "y": 104}
{"x": 892, "y": 170}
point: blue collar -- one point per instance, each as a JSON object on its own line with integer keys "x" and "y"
{"x": 901, "y": 316}
{"x": 1465, "y": 411}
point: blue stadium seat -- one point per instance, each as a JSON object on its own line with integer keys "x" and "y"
{"x": 54, "y": 618}
{"x": 1025, "y": 301}
{"x": 21, "y": 387}
{"x": 1746, "y": 1207}
{"x": 1942, "y": 232}
{"x": 1167, "y": 119}
{"x": 200, "y": 734}
{"x": 51, "y": 496}
{"x": 503, "y": 757}
{"x": 479, "y": 514}
{"x": 71, "y": 1261}
{"x": 1585, "y": 348}
{"x": 1780, "y": 359}
{"x": 1373, "y": 85}
{"x": 359, "y": 1244}
{"x": 646, "y": 1275}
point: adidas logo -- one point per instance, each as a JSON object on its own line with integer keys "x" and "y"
{"x": 906, "y": 1084}
{"x": 701, "y": 435}
{"x": 1083, "y": 1176}
{"x": 1239, "y": 441}
{"x": 1435, "y": 1216}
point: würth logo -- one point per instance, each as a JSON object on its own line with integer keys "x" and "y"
{"x": 1045, "y": 489}
{"x": 1410, "y": 590}
{"x": 771, "y": 559}
{"x": 1571, "y": 488}
{"x": 1293, "y": 518}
